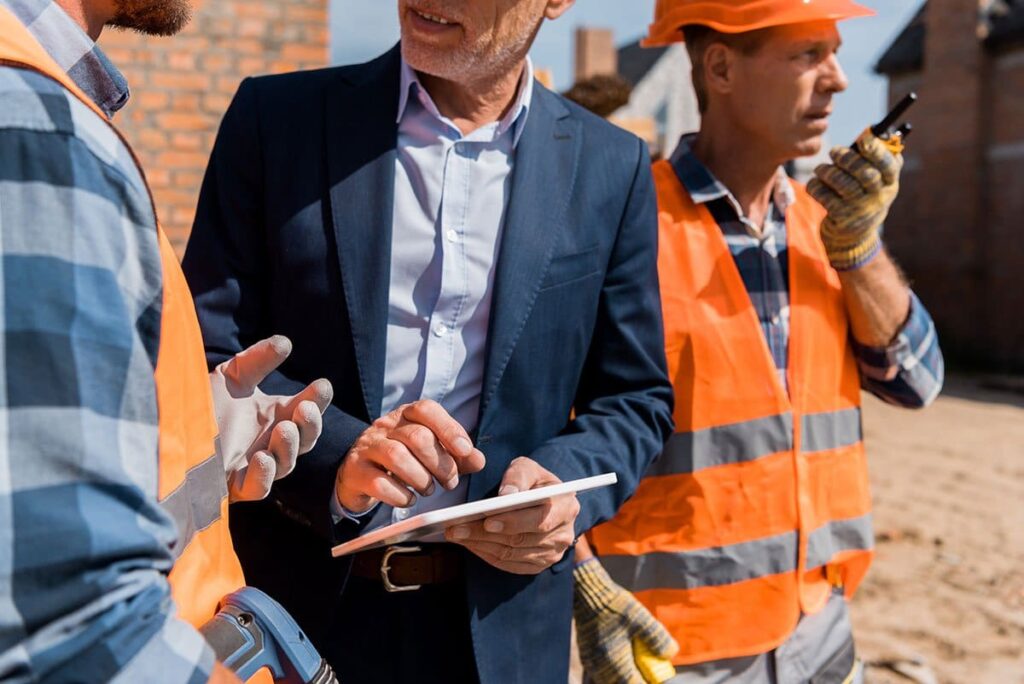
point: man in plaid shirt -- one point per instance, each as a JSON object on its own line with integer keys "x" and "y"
{"x": 721, "y": 540}
{"x": 85, "y": 548}
{"x": 908, "y": 372}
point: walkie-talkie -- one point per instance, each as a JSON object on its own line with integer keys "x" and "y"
{"x": 894, "y": 139}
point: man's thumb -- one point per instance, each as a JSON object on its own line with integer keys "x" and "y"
{"x": 250, "y": 367}
{"x": 519, "y": 477}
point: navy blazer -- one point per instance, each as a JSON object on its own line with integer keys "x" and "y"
{"x": 293, "y": 236}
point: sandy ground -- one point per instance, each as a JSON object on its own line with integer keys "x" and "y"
{"x": 946, "y": 590}
{"x": 948, "y": 581}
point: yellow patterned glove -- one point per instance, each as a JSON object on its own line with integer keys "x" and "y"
{"x": 857, "y": 189}
{"x": 620, "y": 641}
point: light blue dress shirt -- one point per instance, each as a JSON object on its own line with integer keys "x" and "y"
{"x": 451, "y": 196}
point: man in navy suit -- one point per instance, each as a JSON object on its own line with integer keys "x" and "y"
{"x": 478, "y": 256}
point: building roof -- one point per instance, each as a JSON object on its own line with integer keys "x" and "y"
{"x": 635, "y": 61}
{"x": 1004, "y": 27}
{"x": 906, "y": 52}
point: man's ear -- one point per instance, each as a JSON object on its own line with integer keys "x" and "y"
{"x": 556, "y": 8}
{"x": 719, "y": 68}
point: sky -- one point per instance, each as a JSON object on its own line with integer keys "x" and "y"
{"x": 362, "y": 29}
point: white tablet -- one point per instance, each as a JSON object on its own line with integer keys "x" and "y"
{"x": 430, "y": 526}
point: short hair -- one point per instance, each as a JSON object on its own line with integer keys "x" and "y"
{"x": 602, "y": 94}
{"x": 699, "y": 37}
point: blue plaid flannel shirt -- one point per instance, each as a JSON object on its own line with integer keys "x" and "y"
{"x": 907, "y": 373}
{"x": 84, "y": 545}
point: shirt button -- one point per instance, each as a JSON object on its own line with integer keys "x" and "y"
{"x": 440, "y": 329}
{"x": 452, "y": 235}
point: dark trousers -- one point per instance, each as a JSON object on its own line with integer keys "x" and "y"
{"x": 418, "y": 636}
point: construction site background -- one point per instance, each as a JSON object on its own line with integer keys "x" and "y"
{"x": 947, "y": 584}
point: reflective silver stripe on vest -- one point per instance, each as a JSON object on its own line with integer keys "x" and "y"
{"x": 195, "y": 504}
{"x": 688, "y": 452}
{"x": 705, "y": 567}
{"x": 832, "y": 430}
{"x": 854, "y": 534}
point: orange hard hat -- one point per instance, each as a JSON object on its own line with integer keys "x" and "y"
{"x": 740, "y": 16}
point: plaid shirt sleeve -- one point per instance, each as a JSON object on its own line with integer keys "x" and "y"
{"x": 910, "y": 371}
{"x": 84, "y": 545}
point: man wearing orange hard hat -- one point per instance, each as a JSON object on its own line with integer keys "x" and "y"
{"x": 751, "y": 532}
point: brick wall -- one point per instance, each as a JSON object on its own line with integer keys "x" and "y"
{"x": 956, "y": 225}
{"x": 182, "y": 85}
{"x": 1004, "y": 253}
{"x": 595, "y": 53}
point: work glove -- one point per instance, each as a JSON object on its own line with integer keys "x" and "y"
{"x": 620, "y": 642}
{"x": 857, "y": 189}
{"x": 261, "y": 435}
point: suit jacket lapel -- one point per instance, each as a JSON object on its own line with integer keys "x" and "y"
{"x": 542, "y": 183}
{"x": 362, "y": 139}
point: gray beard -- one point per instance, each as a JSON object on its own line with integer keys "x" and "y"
{"x": 152, "y": 17}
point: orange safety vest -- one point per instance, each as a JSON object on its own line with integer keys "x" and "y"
{"x": 192, "y": 486}
{"x": 759, "y": 505}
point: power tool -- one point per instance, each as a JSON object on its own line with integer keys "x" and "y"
{"x": 251, "y": 631}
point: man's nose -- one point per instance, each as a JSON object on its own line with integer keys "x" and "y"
{"x": 833, "y": 79}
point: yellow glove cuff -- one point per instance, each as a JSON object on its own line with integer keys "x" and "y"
{"x": 847, "y": 257}
{"x": 595, "y": 589}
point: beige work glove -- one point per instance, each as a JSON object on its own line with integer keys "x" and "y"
{"x": 857, "y": 189}
{"x": 261, "y": 435}
{"x": 620, "y": 642}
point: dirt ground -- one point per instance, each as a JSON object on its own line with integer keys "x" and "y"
{"x": 948, "y": 580}
{"x": 944, "y": 601}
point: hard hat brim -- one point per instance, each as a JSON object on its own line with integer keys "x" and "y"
{"x": 757, "y": 15}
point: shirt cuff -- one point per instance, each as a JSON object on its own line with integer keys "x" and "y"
{"x": 885, "y": 363}
{"x": 339, "y": 512}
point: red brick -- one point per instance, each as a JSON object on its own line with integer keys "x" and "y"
{"x": 187, "y": 142}
{"x": 157, "y": 176}
{"x": 312, "y": 15}
{"x": 185, "y": 102}
{"x": 955, "y": 223}
{"x": 181, "y": 160}
{"x": 246, "y": 46}
{"x": 258, "y": 10}
{"x": 179, "y": 80}
{"x": 217, "y": 62}
{"x": 151, "y": 100}
{"x": 284, "y": 67}
{"x": 180, "y": 121}
{"x": 182, "y": 85}
{"x": 313, "y": 54}
{"x": 215, "y": 103}
{"x": 252, "y": 66}
{"x": 188, "y": 179}
{"x": 150, "y": 138}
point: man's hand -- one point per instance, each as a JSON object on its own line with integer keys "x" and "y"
{"x": 406, "y": 449}
{"x": 620, "y": 641}
{"x": 857, "y": 189}
{"x": 261, "y": 436}
{"x": 527, "y": 541}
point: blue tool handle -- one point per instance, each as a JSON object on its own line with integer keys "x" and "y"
{"x": 252, "y": 631}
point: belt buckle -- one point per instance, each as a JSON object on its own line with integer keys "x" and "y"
{"x": 390, "y": 586}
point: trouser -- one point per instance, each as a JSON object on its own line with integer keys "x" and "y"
{"x": 418, "y": 636}
{"x": 819, "y": 651}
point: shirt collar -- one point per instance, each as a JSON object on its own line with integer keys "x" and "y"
{"x": 514, "y": 119}
{"x": 703, "y": 187}
{"x": 74, "y": 51}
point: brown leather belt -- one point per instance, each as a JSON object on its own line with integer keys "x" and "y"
{"x": 407, "y": 568}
